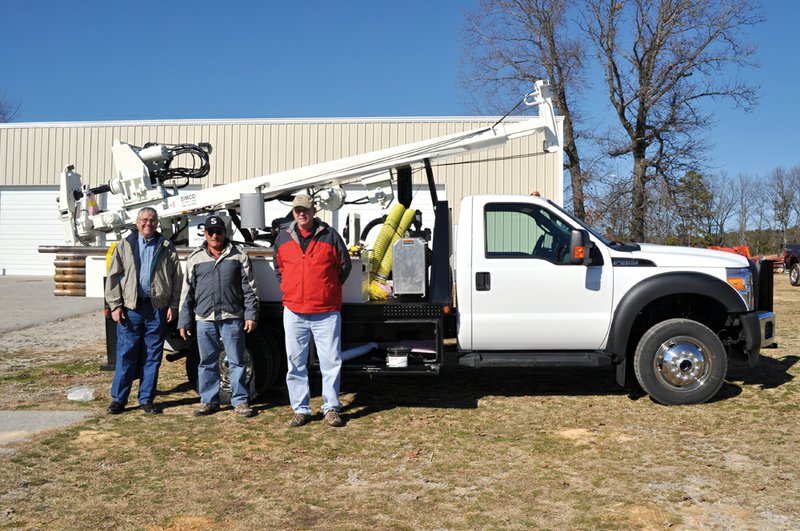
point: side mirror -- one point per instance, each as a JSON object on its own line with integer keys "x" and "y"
{"x": 579, "y": 247}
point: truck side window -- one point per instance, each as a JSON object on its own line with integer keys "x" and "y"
{"x": 520, "y": 230}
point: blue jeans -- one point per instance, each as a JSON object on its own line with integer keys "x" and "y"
{"x": 231, "y": 331}
{"x": 140, "y": 346}
{"x": 326, "y": 328}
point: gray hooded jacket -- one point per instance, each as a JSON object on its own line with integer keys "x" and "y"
{"x": 215, "y": 289}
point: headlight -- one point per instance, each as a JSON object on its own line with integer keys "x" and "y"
{"x": 742, "y": 281}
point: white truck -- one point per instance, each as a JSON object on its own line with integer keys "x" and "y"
{"x": 526, "y": 284}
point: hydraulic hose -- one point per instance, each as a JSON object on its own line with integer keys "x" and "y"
{"x": 385, "y": 236}
{"x": 378, "y": 290}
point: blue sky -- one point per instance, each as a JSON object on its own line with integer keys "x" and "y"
{"x": 92, "y": 60}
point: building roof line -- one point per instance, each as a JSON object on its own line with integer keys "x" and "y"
{"x": 259, "y": 121}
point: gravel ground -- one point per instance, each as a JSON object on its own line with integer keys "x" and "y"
{"x": 51, "y": 341}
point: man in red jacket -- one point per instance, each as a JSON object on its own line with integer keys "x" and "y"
{"x": 312, "y": 263}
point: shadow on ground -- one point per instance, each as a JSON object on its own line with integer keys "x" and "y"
{"x": 769, "y": 373}
{"x": 460, "y": 387}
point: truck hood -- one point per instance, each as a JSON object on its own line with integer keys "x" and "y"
{"x": 669, "y": 256}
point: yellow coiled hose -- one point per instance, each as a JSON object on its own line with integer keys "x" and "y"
{"x": 385, "y": 236}
{"x": 378, "y": 289}
{"x": 405, "y": 222}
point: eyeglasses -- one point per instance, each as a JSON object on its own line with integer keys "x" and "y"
{"x": 149, "y": 221}
{"x": 215, "y": 232}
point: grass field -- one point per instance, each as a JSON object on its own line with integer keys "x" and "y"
{"x": 470, "y": 449}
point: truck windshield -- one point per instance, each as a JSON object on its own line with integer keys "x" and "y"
{"x": 584, "y": 225}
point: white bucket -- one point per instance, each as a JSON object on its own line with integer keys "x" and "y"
{"x": 397, "y": 357}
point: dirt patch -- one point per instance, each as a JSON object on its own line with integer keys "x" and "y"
{"x": 470, "y": 449}
{"x": 576, "y": 434}
{"x": 94, "y": 437}
{"x": 186, "y": 523}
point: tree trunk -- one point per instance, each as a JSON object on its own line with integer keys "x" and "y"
{"x": 573, "y": 165}
{"x": 639, "y": 196}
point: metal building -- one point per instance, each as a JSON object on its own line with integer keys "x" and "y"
{"x": 32, "y": 155}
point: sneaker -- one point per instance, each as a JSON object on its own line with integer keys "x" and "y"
{"x": 333, "y": 419}
{"x": 244, "y": 410}
{"x": 299, "y": 419}
{"x": 206, "y": 409}
{"x": 115, "y": 408}
{"x": 149, "y": 408}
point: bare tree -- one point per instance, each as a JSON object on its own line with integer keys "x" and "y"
{"x": 8, "y": 110}
{"x": 760, "y": 217}
{"x": 665, "y": 215}
{"x": 723, "y": 204}
{"x": 662, "y": 60}
{"x": 512, "y": 43}
{"x": 781, "y": 195}
{"x": 794, "y": 182}
{"x": 610, "y": 197}
{"x": 744, "y": 199}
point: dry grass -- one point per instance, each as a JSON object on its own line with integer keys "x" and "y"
{"x": 501, "y": 449}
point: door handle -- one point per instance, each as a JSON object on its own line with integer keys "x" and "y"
{"x": 483, "y": 281}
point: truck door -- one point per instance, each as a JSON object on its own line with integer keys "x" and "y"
{"x": 525, "y": 295}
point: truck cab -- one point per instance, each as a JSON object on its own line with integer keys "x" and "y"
{"x": 668, "y": 315}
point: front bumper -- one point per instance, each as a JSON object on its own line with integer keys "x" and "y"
{"x": 758, "y": 329}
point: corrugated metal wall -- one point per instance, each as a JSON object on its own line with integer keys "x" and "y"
{"x": 35, "y": 154}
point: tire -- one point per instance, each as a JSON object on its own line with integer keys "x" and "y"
{"x": 680, "y": 361}
{"x": 262, "y": 361}
{"x": 794, "y": 275}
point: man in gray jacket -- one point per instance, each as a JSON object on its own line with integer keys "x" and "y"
{"x": 142, "y": 291}
{"x": 219, "y": 292}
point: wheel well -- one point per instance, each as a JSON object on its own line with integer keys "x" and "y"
{"x": 702, "y": 309}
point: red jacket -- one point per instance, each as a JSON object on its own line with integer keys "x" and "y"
{"x": 311, "y": 282}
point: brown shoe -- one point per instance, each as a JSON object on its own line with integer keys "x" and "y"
{"x": 299, "y": 419}
{"x": 244, "y": 410}
{"x": 206, "y": 409}
{"x": 333, "y": 419}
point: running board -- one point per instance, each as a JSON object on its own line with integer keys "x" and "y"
{"x": 572, "y": 358}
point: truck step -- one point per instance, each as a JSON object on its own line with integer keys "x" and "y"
{"x": 536, "y": 359}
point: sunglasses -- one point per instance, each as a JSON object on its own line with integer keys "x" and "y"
{"x": 215, "y": 232}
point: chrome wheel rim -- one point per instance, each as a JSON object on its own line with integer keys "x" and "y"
{"x": 225, "y": 371}
{"x": 682, "y": 363}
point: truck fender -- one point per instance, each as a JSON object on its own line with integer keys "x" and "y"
{"x": 659, "y": 286}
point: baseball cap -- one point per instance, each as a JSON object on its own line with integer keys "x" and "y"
{"x": 303, "y": 200}
{"x": 214, "y": 222}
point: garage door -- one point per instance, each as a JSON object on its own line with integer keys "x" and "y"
{"x": 28, "y": 219}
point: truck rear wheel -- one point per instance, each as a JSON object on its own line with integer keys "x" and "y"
{"x": 680, "y": 361}
{"x": 262, "y": 360}
{"x": 794, "y": 275}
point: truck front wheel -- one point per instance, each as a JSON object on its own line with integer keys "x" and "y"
{"x": 794, "y": 275}
{"x": 680, "y": 361}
